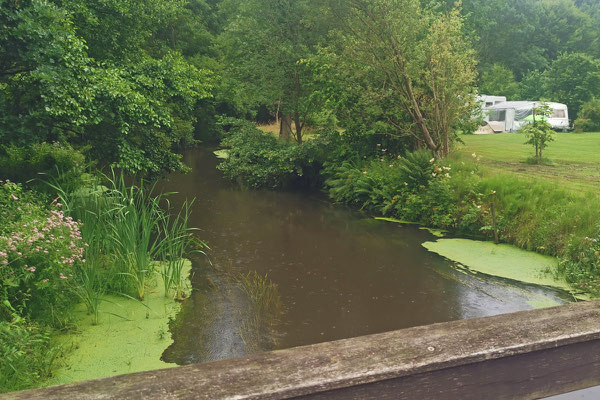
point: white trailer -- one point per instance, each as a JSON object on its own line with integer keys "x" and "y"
{"x": 513, "y": 114}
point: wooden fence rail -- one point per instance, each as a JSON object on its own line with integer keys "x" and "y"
{"x": 528, "y": 354}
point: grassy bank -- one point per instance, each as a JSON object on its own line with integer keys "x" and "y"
{"x": 103, "y": 263}
{"x": 575, "y": 159}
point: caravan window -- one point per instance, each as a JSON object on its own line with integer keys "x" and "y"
{"x": 498, "y": 115}
{"x": 558, "y": 113}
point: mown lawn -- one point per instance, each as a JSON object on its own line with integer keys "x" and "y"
{"x": 575, "y": 157}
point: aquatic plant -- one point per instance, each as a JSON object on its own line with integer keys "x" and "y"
{"x": 259, "y": 330}
{"x": 136, "y": 217}
{"x": 176, "y": 240}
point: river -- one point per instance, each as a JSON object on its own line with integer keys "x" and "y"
{"x": 338, "y": 273}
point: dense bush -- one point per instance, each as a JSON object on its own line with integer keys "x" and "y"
{"x": 414, "y": 188}
{"x": 589, "y": 117}
{"x": 581, "y": 263}
{"x": 259, "y": 160}
{"x": 38, "y": 251}
{"x": 26, "y": 355}
{"x": 25, "y": 163}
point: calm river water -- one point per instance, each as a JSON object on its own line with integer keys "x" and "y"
{"x": 339, "y": 273}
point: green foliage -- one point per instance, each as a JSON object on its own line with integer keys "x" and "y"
{"x": 581, "y": 264}
{"x": 589, "y": 117}
{"x": 275, "y": 37}
{"x": 127, "y": 230}
{"x": 532, "y": 86}
{"x": 129, "y": 110}
{"x": 406, "y": 188}
{"x": 420, "y": 74}
{"x": 260, "y": 160}
{"x": 500, "y": 81}
{"x": 26, "y": 163}
{"x": 176, "y": 240}
{"x": 573, "y": 79}
{"x": 539, "y": 133}
{"x": 26, "y": 355}
{"x": 41, "y": 248}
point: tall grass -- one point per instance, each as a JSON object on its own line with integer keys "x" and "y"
{"x": 126, "y": 231}
{"x": 136, "y": 219}
{"x": 176, "y": 239}
{"x": 259, "y": 330}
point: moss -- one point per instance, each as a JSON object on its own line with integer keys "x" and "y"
{"x": 501, "y": 260}
{"x": 130, "y": 337}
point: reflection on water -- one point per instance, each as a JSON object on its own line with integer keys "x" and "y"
{"x": 337, "y": 272}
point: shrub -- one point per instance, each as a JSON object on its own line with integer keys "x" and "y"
{"x": 24, "y": 163}
{"x": 26, "y": 355}
{"x": 581, "y": 262}
{"x": 40, "y": 248}
{"x": 259, "y": 160}
{"x": 589, "y": 117}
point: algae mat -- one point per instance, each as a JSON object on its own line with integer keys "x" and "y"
{"x": 130, "y": 337}
{"x": 501, "y": 260}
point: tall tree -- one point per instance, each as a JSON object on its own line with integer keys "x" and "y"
{"x": 573, "y": 79}
{"x": 420, "y": 66}
{"x": 124, "y": 111}
{"x": 264, "y": 45}
{"x": 499, "y": 80}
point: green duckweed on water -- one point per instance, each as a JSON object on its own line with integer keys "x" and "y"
{"x": 502, "y": 260}
{"x": 130, "y": 337}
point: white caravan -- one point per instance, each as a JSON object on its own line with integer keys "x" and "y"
{"x": 489, "y": 101}
{"x": 512, "y": 115}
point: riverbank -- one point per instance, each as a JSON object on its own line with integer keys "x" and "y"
{"x": 130, "y": 336}
{"x": 459, "y": 194}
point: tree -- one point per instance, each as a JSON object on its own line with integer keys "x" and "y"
{"x": 414, "y": 64}
{"x": 539, "y": 132}
{"x": 264, "y": 45}
{"x": 532, "y": 86}
{"x": 127, "y": 112}
{"x": 573, "y": 79}
{"x": 499, "y": 80}
{"x": 589, "y": 117}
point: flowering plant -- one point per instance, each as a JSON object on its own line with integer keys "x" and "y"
{"x": 39, "y": 248}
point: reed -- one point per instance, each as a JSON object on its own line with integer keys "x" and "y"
{"x": 176, "y": 240}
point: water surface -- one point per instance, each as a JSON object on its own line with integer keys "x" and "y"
{"x": 339, "y": 273}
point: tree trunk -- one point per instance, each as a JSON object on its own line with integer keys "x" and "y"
{"x": 298, "y": 128}
{"x": 278, "y": 102}
{"x": 446, "y": 144}
{"x": 285, "y": 127}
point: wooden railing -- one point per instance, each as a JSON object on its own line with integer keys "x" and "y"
{"x": 527, "y": 354}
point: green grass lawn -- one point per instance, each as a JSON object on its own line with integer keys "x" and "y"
{"x": 575, "y": 157}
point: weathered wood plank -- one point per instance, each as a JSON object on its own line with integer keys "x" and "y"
{"x": 521, "y": 355}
